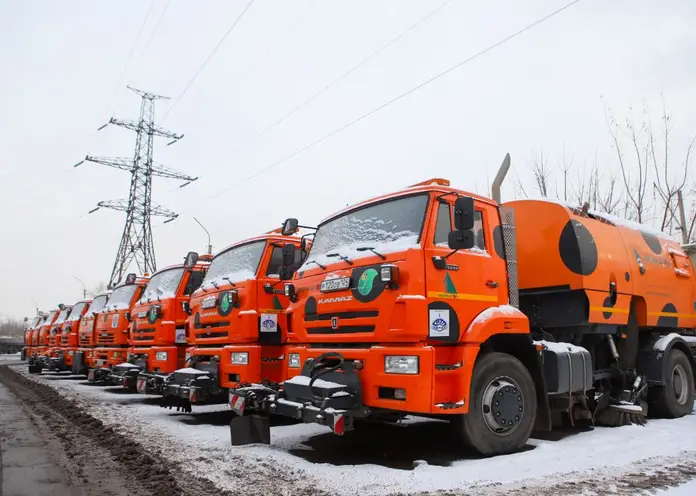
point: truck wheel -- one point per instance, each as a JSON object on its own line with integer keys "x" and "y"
{"x": 503, "y": 406}
{"x": 676, "y": 398}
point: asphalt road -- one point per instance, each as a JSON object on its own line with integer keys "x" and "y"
{"x": 26, "y": 464}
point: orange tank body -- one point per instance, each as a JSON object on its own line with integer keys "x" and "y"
{"x": 601, "y": 264}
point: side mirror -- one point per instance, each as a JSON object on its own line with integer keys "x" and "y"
{"x": 130, "y": 278}
{"x": 61, "y": 306}
{"x": 190, "y": 260}
{"x": 464, "y": 213}
{"x": 289, "y": 227}
{"x": 461, "y": 240}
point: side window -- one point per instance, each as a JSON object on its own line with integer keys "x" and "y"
{"x": 479, "y": 232}
{"x": 276, "y": 262}
{"x": 443, "y": 225}
{"x": 194, "y": 282}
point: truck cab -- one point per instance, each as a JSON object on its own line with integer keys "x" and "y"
{"x": 237, "y": 324}
{"x": 112, "y": 327}
{"x": 41, "y": 342}
{"x": 28, "y": 333}
{"x": 54, "y": 336}
{"x": 68, "y": 338}
{"x": 158, "y": 320}
{"x": 84, "y": 358}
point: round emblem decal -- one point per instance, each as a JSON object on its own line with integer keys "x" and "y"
{"x": 152, "y": 315}
{"x": 366, "y": 281}
{"x": 225, "y": 304}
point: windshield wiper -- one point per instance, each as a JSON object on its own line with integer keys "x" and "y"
{"x": 315, "y": 262}
{"x": 229, "y": 281}
{"x": 214, "y": 285}
{"x": 346, "y": 259}
{"x": 369, "y": 248}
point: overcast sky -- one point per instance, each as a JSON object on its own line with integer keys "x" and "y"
{"x": 60, "y": 64}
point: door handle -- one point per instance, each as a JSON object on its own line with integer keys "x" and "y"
{"x": 492, "y": 284}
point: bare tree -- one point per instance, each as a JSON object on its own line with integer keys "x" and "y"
{"x": 635, "y": 188}
{"x": 98, "y": 289}
{"x": 541, "y": 172}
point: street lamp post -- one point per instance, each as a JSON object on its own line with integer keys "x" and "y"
{"x": 210, "y": 247}
{"x": 84, "y": 289}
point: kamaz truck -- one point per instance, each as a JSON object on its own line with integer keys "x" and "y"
{"x": 237, "y": 324}
{"x": 83, "y": 359}
{"x": 158, "y": 320}
{"x": 62, "y": 359}
{"x": 41, "y": 337}
{"x": 501, "y": 318}
{"x": 112, "y": 327}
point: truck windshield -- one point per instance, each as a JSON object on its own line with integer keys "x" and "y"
{"x": 384, "y": 227}
{"x": 162, "y": 285}
{"x": 34, "y": 322}
{"x": 121, "y": 297}
{"x": 234, "y": 265}
{"x": 62, "y": 316}
{"x": 97, "y": 305}
{"x": 49, "y": 319}
{"x": 76, "y": 313}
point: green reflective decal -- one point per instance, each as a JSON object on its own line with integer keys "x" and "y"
{"x": 449, "y": 285}
{"x": 225, "y": 302}
{"x": 366, "y": 281}
{"x": 276, "y": 303}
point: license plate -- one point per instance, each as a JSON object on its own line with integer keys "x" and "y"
{"x": 208, "y": 302}
{"x": 335, "y": 284}
{"x": 99, "y": 362}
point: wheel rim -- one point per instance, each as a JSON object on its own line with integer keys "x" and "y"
{"x": 502, "y": 406}
{"x": 680, "y": 384}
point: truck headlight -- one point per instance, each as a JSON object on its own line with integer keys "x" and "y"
{"x": 294, "y": 360}
{"x": 116, "y": 354}
{"x": 161, "y": 356}
{"x": 399, "y": 364}
{"x": 71, "y": 352}
{"x": 389, "y": 274}
{"x": 240, "y": 358}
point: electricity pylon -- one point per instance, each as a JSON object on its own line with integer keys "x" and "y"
{"x": 136, "y": 242}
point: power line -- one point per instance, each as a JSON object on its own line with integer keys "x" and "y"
{"x": 394, "y": 100}
{"x": 344, "y": 75}
{"x": 152, "y": 36}
{"x": 130, "y": 56}
{"x": 212, "y": 54}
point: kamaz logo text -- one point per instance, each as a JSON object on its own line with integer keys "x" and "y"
{"x": 335, "y": 300}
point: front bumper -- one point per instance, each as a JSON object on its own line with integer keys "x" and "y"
{"x": 184, "y": 388}
{"x": 124, "y": 374}
{"x": 98, "y": 375}
{"x": 327, "y": 392}
{"x": 150, "y": 383}
{"x": 57, "y": 363}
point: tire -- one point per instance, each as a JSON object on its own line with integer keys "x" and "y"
{"x": 499, "y": 374}
{"x": 676, "y": 398}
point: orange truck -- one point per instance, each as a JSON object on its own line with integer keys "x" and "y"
{"x": 501, "y": 318}
{"x": 54, "y": 335}
{"x": 112, "y": 326}
{"x": 237, "y": 322}
{"x": 83, "y": 360}
{"x": 41, "y": 343}
{"x": 62, "y": 359}
{"x": 34, "y": 335}
{"x": 158, "y": 320}
{"x": 28, "y": 334}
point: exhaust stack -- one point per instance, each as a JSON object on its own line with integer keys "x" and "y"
{"x": 499, "y": 178}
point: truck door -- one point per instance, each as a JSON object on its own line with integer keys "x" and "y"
{"x": 462, "y": 284}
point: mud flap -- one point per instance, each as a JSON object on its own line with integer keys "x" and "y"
{"x": 78, "y": 363}
{"x": 250, "y": 429}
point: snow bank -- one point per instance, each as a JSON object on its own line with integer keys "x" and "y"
{"x": 204, "y": 450}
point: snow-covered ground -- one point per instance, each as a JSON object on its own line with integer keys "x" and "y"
{"x": 688, "y": 489}
{"x": 13, "y": 356}
{"x": 419, "y": 456}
